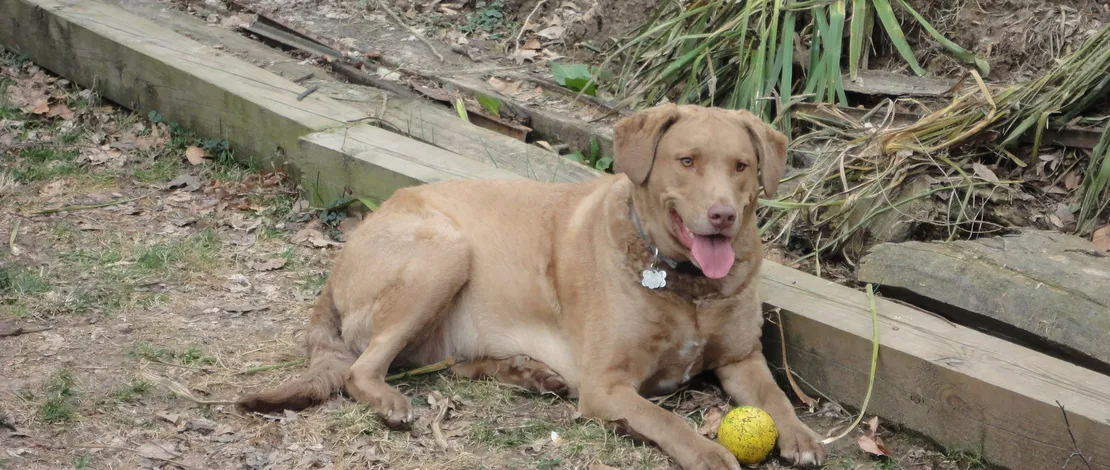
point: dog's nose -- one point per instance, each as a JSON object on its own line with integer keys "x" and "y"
{"x": 722, "y": 216}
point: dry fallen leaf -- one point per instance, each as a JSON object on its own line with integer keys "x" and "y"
{"x": 711, "y": 422}
{"x": 105, "y": 155}
{"x": 312, "y": 238}
{"x": 1101, "y": 238}
{"x": 552, "y": 32}
{"x": 522, "y": 55}
{"x": 532, "y": 44}
{"x": 983, "y": 172}
{"x": 163, "y": 451}
{"x": 60, "y": 110}
{"x": 197, "y": 155}
{"x": 268, "y": 265}
{"x": 870, "y": 442}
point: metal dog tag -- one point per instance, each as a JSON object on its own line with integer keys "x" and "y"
{"x": 654, "y": 278}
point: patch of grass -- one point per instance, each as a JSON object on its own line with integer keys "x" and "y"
{"x": 188, "y": 357}
{"x": 488, "y": 432}
{"x": 130, "y": 393}
{"x": 61, "y": 392}
{"x": 157, "y": 169}
{"x": 198, "y": 248}
{"x": 82, "y": 462}
{"x": 355, "y": 418}
{"x": 44, "y": 163}
{"x": 968, "y": 459}
{"x": 8, "y": 112}
{"x": 97, "y": 298}
{"x": 19, "y": 282}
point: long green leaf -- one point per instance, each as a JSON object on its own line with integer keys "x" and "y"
{"x": 894, "y": 30}
{"x": 834, "y": 42}
{"x": 856, "y": 36}
{"x": 956, "y": 50}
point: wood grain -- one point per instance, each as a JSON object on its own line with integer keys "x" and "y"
{"x": 963, "y": 388}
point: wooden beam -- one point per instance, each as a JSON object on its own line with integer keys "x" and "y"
{"x": 147, "y": 67}
{"x": 965, "y": 389}
{"x": 387, "y": 163}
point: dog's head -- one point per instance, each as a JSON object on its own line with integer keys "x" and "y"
{"x": 696, "y": 175}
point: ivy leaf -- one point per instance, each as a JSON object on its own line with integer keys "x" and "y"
{"x": 575, "y": 77}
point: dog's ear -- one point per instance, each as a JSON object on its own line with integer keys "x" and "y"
{"x": 770, "y": 149}
{"x": 637, "y": 137}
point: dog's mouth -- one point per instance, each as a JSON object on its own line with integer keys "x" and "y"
{"x": 713, "y": 253}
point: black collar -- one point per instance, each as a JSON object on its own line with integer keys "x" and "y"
{"x": 681, "y": 267}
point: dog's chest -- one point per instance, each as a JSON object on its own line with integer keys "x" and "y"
{"x": 677, "y": 364}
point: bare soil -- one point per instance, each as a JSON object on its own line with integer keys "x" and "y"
{"x": 146, "y": 278}
{"x": 1019, "y": 38}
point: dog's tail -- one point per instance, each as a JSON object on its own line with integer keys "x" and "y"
{"x": 330, "y": 358}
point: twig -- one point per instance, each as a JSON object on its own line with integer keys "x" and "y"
{"x": 874, "y": 365}
{"x": 182, "y": 392}
{"x": 255, "y": 370}
{"x": 133, "y": 451}
{"x": 308, "y": 91}
{"x": 524, "y": 26}
{"x": 1074, "y": 443}
{"x": 419, "y": 36}
{"x": 428, "y": 369}
{"x": 809, "y": 401}
{"x": 94, "y": 206}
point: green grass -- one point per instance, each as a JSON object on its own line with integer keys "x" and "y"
{"x": 44, "y": 163}
{"x": 968, "y": 459}
{"x": 199, "y": 248}
{"x": 355, "y": 419}
{"x": 488, "y": 432}
{"x": 61, "y": 393}
{"x": 18, "y": 282}
{"x": 189, "y": 357}
{"x": 130, "y": 393}
{"x": 7, "y": 112}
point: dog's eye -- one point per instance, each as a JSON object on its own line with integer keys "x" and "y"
{"x": 686, "y": 161}
{"x": 741, "y": 166}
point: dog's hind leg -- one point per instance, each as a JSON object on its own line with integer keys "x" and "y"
{"x": 521, "y": 371}
{"x": 419, "y": 282}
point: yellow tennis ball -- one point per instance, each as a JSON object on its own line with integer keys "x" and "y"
{"x": 749, "y": 433}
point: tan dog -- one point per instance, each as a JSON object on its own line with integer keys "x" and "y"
{"x": 544, "y": 285}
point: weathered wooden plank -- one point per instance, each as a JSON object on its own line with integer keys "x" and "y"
{"x": 1043, "y": 287}
{"x": 389, "y": 163}
{"x": 884, "y": 83}
{"x": 148, "y": 67}
{"x": 956, "y": 385}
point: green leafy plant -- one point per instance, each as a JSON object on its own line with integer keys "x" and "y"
{"x": 487, "y": 16}
{"x": 490, "y": 104}
{"x": 593, "y": 158}
{"x": 740, "y": 54}
{"x": 577, "y": 77}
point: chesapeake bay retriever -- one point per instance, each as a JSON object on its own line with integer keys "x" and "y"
{"x": 560, "y": 287}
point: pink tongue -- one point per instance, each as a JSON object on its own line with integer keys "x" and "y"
{"x": 714, "y": 255}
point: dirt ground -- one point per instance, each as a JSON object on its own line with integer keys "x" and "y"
{"x": 147, "y": 278}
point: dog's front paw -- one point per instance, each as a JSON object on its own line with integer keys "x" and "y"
{"x": 392, "y": 406}
{"x": 800, "y": 445}
{"x": 707, "y": 455}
